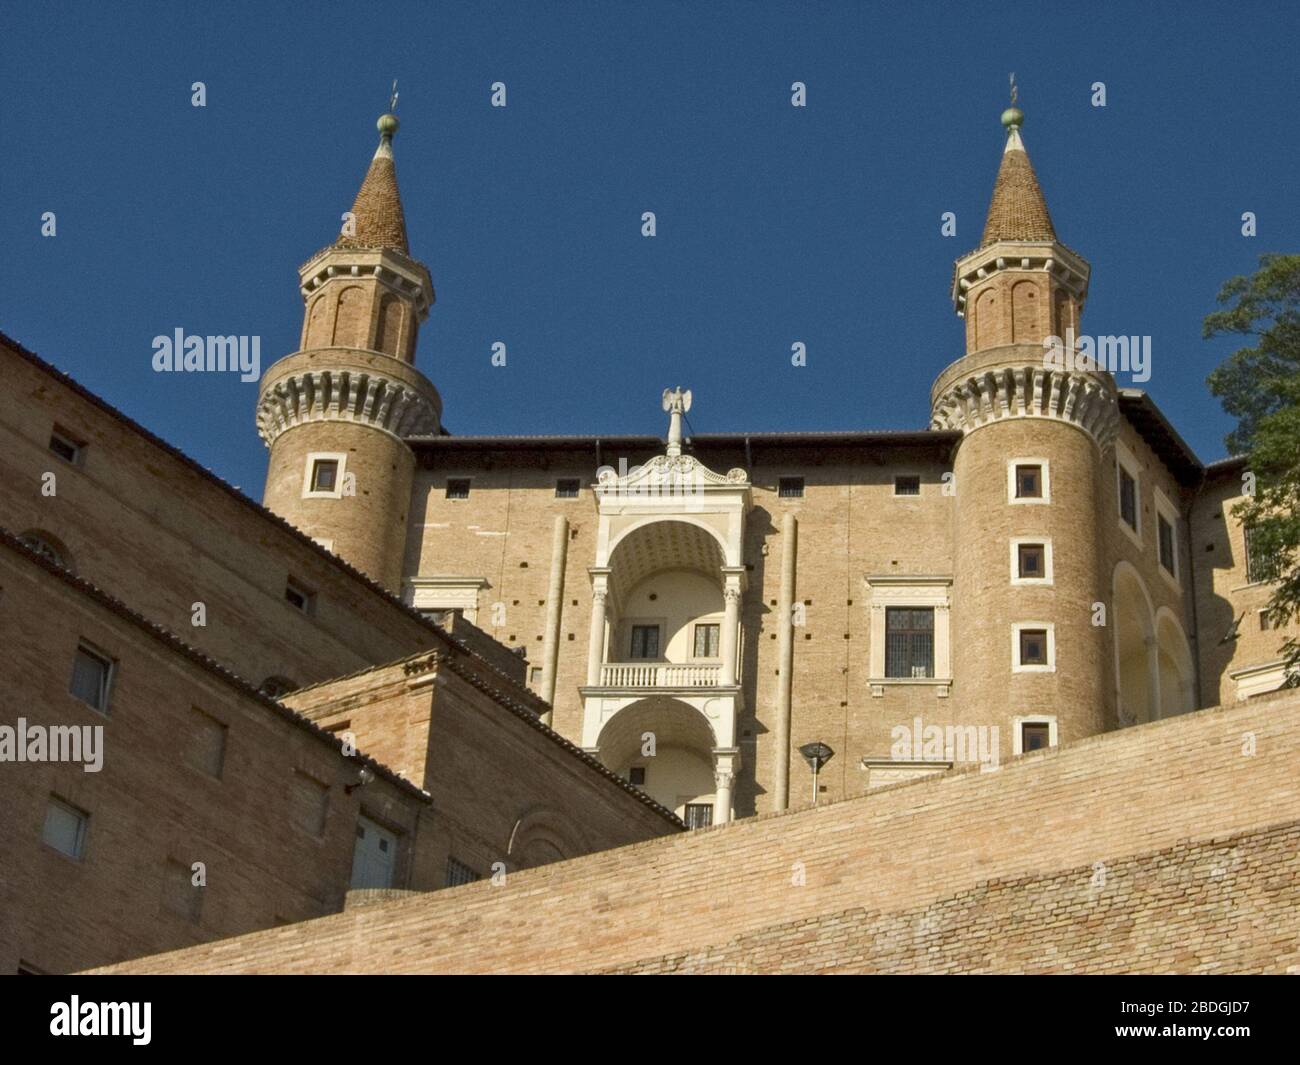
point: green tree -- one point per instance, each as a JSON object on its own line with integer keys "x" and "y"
{"x": 1260, "y": 387}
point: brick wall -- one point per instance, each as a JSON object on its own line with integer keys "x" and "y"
{"x": 1155, "y": 805}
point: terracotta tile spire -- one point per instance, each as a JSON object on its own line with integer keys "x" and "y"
{"x": 380, "y": 222}
{"x": 1018, "y": 210}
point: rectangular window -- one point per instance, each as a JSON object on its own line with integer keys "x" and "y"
{"x": 65, "y": 447}
{"x": 324, "y": 472}
{"x": 1128, "y": 499}
{"x": 91, "y": 674}
{"x": 309, "y": 804}
{"x": 1166, "y": 541}
{"x": 1029, "y": 482}
{"x": 790, "y": 488}
{"x": 907, "y": 485}
{"x": 698, "y": 814}
{"x": 645, "y": 641}
{"x": 1031, "y": 561}
{"x": 706, "y": 640}
{"x": 1035, "y": 736}
{"x": 299, "y": 597}
{"x": 636, "y": 776}
{"x": 457, "y": 487}
{"x": 65, "y": 828}
{"x": 1033, "y": 647}
{"x": 1260, "y": 566}
{"x": 459, "y": 873}
{"x": 179, "y": 894}
{"x": 207, "y": 746}
{"x": 909, "y": 641}
{"x": 567, "y": 488}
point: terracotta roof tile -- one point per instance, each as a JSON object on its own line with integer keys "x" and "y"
{"x": 1018, "y": 210}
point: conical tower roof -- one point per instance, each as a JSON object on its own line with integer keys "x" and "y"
{"x": 1018, "y": 211}
{"x": 380, "y": 222}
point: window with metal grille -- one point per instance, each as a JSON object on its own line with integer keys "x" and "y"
{"x": 1128, "y": 499}
{"x": 457, "y": 487}
{"x": 907, "y": 485}
{"x": 567, "y": 488}
{"x": 698, "y": 814}
{"x": 706, "y": 640}
{"x": 790, "y": 488}
{"x": 1034, "y": 736}
{"x": 909, "y": 641}
{"x": 1033, "y": 647}
{"x": 91, "y": 673}
{"x": 1031, "y": 561}
{"x": 645, "y": 641}
{"x": 1165, "y": 538}
{"x": 459, "y": 873}
{"x": 323, "y": 474}
{"x": 1029, "y": 482}
{"x": 1260, "y": 565}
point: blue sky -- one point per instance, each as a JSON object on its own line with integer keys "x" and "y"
{"x": 775, "y": 224}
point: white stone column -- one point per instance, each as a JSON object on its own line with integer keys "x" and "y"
{"x": 596, "y": 643}
{"x": 731, "y": 594}
{"x": 725, "y": 764}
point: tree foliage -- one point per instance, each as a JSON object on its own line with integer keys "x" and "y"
{"x": 1260, "y": 387}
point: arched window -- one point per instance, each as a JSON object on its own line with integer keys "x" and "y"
{"x": 48, "y": 547}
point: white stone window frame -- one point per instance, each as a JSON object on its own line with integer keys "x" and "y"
{"x": 1165, "y": 508}
{"x": 1017, "y": 628}
{"x": 1262, "y": 679}
{"x": 314, "y": 457}
{"x": 624, "y": 634}
{"x": 1028, "y": 460}
{"x": 720, "y": 620}
{"x": 891, "y": 590}
{"x": 920, "y": 484}
{"x": 1017, "y": 737}
{"x": 447, "y": 592}
{"x": 1049, "y": 577}
{"x": 1127, "y": 461}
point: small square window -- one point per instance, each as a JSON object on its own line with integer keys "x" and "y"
{"x": 1030, "y": 562}
{"x": 1165, "y": 538}
{"x": 707, "y": 637}
{"x": 91, "y": 674}
{"x": 790, "y": 488}
{"x": 1033, "y": 647}
{"x": 457, "y": 487}
{"x": 1264, "y": 623}
{"x": 65, "y": 828}
{"x": 636, "y": 776}
{"x": 907, "y": 485}
{"x": 299, "y": 597}
{"x": 179, "y": 893}
{"x": 1035, "y": 736}
{"x": 567, "y": 488}
{"x": 1029, "y": 482}
{"x": 324, "y": 474}
{"x": 645, "y": 641}
{"x": 1128, "y": 499}
{"x": 309, "y": 803}
{"x": 65, "y": 447}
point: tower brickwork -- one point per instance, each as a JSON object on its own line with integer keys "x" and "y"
{"x": 334, "y": 413}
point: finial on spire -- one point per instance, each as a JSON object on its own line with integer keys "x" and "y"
{"x": 388, "y": 124}
{"x": 676, "y": 403}
{"x": 392, "y": 100}
{"x": 1013, "y": 118}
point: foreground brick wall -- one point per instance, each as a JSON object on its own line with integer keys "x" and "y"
{"x": 1159, "y": 799}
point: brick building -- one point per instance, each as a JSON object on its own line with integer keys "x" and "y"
{"x": 427, "y": 658}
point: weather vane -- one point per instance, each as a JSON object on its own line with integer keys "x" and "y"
{"x": 392, "y": 100}
{"x": 1014, "y": 90}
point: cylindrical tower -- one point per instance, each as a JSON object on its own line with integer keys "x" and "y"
{"x": 334, "y": 414}
{"x": 1030, "y": 639}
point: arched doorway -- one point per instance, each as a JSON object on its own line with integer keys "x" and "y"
{"x": 666, "y": 748}
{"x": 1176, "y": 672}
